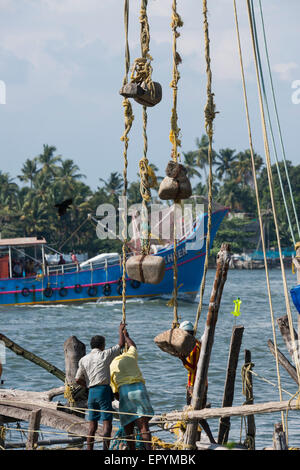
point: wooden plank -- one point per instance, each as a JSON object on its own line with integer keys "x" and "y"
{"x": 223, "y": 260}
{"x": 33, "y": 426}
{"x": 234, "y": 350}
{"x": 284, "y": 361}
{"x": 46, "y": 442}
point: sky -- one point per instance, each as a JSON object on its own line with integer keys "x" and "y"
{"x": 62, "y": 64}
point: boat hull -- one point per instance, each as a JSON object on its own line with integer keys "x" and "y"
{"x": 105, "y": 283}
{"x": 295, "y": 294}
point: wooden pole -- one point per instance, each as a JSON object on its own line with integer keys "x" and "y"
{"x": 74, "y": 350}
{"x": 10, "y": 261}
{"x": 223, "y": 260}
{"x": 284, "y": 328}
{"x": 279, "y": 440}
{"x": 33, "y": 426}
{"x": 234, "y": 350}
{"x": 291, "y": 370}
{"x": 248, "y": 390}
{"x": 212, "y": 413}
{"x": 32, "y": 357}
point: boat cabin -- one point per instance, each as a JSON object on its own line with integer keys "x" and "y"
{"x": 21, "y": 257}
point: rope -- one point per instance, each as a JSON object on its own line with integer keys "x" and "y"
{"x": 210, "y": 114}
{"x": 258, "y": 200}
{"x": 128, "y": 120}
{"x": 277, "y": 118}
{"x": 270, "y": 125}
{"x": 270, "y": 179}
{"x": 175, "y": 141}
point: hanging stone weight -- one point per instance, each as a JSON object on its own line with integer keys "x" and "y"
{"x": 146, "y": 268}
{"x": 176, "y": 184}
{"x": 141, "y": 94}
{"x": 176, "y": 342}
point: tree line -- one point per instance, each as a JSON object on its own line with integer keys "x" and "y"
{"x": 27, "y": 201}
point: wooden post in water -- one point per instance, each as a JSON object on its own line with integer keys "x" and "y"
{"x": 284, "y": 328}
{"x": 33, "y": 426}
{"x": 248, "y": 391}
{"x": 234, "y": 350}
{"x": 74, "y": 350}
{"x": 223, "y": 260}
{"x": 279, "y": 439}
{"x": 284, "y": 361}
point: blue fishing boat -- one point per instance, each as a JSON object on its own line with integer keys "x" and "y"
{"x": 98, "y": 278}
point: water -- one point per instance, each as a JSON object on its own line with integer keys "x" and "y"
{"x": 43, "y": 330}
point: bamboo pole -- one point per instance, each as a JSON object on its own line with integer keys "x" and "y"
{"x": 234, "y": 350}
{"x": 223, "y": 260}
{"x": 32, "y": 357}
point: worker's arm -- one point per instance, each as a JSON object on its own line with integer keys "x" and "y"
{"x": 121, "y": 335}
{"x": 128, "y": 340}
{"x": 81, "y": 381}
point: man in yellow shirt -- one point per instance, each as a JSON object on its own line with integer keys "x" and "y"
{"x": 128, "y": 385}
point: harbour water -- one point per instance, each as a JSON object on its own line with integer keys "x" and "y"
{"x": 43, "y": 330}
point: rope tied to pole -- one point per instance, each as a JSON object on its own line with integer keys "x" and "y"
{"x": 210, "y": 114}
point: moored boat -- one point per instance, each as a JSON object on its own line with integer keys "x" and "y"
{"x": 37, "y": 282}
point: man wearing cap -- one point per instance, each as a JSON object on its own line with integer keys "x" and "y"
{"x": 190, "y": 363}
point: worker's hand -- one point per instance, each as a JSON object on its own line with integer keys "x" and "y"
{"x": 122, "y": 327}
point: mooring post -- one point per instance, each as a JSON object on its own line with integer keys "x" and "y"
{"x": 248, "y": 392}
{"x": 223, "y": 260}
{"x": 284, "y": 328}
{"x": 279, "y": 439}
{"x": 234, "y": 350}
{"x": 33, "y": 426}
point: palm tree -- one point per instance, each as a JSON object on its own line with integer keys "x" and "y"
{"x": 48, "y": 160}
{"x": 29, "y": 171}
{"x": 202, "y": 153}
{"x": 224, "y": 160}
{"x": 114, "y": 184}
{"x": 241, "y": 169}
{"x": 190, "y": 163}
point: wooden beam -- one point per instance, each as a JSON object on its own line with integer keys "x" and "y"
{"x": 32, "y": 357}
{"x": 234, "y": 350}
{"x": 284, "y": 361}
{"x": 223, "y": 260}
{"x": 33, "y": 426}
{"x": 212, "y": 413}
{"x": 74, "y": 350}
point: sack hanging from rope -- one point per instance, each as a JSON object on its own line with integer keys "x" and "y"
{"x": 176, "y": 184}
{"x": 141, "y": 93}
{"x": 176, "y": 342}
{"x": 148, "y": 269}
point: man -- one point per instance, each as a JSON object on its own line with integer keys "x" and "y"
{"x": 190, "y": 363}
{"x": 129, "y": 388}
{"x": 93, "y": 372}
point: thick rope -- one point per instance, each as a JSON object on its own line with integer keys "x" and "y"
{"x": 258, "y": 202}
{"x": 270, "y": 179}
{"x": 271, "y": 128}
{"x": 277, "y": 119}
{"x": 210, "y": 114}
{"x": 128, "y": 120}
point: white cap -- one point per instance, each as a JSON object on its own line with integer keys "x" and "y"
{"x": 186, "y": 326}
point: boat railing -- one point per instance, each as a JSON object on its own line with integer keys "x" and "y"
{"x": 73, "y": 267}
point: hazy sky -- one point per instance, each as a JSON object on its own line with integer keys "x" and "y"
{"x": 62, "y": 62}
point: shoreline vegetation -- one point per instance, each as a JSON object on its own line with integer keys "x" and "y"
{"x": 27, "y": 201}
